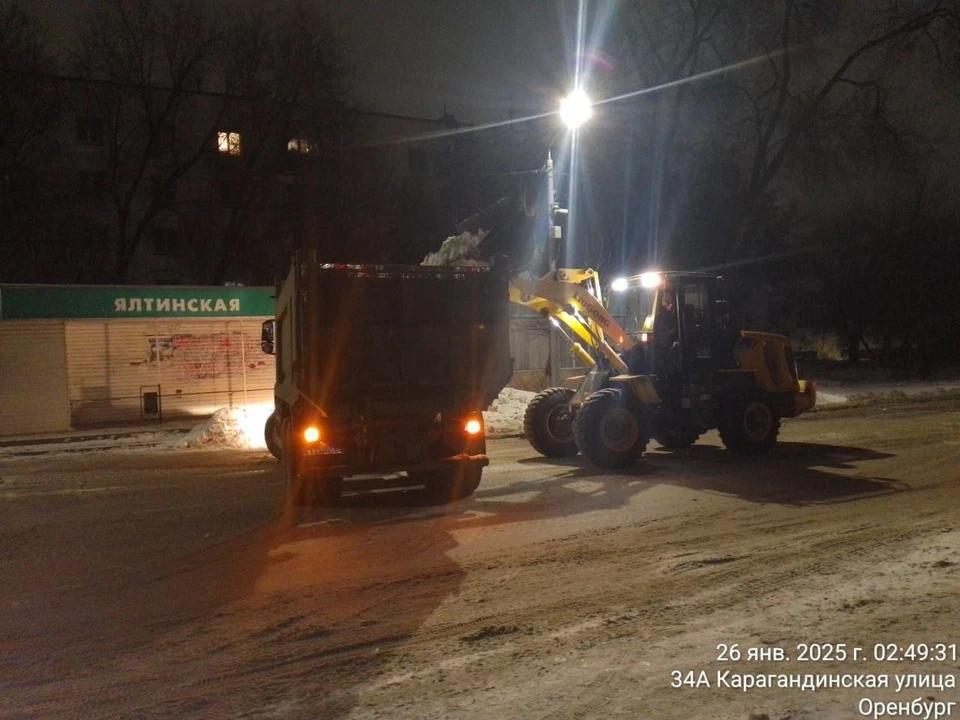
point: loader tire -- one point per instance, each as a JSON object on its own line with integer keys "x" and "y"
{"x": 609, "y": 430}
{"x": 750, "y": 424}
{"x": 271, "y": 436}
{"x": 447, "y": 486}
{"x": 676, "y": 440}
{"x": 545, "y": 430}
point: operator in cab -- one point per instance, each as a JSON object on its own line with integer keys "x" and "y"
{"x": 666, "y": 332}
{"x": 665, "y": 329}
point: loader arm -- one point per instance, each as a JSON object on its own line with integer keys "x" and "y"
{"x": 571, "y": 298}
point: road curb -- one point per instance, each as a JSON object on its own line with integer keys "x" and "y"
{"x": 13, "y": 442}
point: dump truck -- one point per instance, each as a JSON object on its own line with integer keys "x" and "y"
{"x": 385, "y": 370}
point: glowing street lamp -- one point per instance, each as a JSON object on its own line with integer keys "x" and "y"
{"x": 575, "y": 109}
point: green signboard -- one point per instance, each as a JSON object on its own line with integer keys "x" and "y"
{"x": 31, "y": 302}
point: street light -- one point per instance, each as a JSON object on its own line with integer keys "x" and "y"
{"x": 575, "y": 109}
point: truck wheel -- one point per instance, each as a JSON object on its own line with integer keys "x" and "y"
{"x": 610, "y": 430}
{"x": 750, "y": 424}
{"x": 447, "y": 486}
{"x": 546, "y": 426}
{"x": 272, "y": 436}
{"x": 676, "y": 439}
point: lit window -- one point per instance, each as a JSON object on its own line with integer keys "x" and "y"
{"x": 228, "y": 143}
{"x": 302, "y": 145}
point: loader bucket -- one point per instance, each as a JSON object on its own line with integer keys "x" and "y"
{"x": 512, "y": 227}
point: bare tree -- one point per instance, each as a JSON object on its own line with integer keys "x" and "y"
{"x": 752, "y": 80}
{"x": 789, "y": 104}
{"x": 146, "y": 68}
{"x": 284, "y": 72}
{"x": 28, "y": 110}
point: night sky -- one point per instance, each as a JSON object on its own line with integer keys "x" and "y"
{"x": 477, "y": 58}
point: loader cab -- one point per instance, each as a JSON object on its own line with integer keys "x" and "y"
{"x": 678, "y": 322}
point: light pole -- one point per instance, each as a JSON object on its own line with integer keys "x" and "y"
{"x": 575, "y": 110}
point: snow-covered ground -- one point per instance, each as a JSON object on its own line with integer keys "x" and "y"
{"x": 834, "y": 393}
{"x": 243, "y": 428}
{"x": 173, "y": 586}
{"x": 240, "y": 428}
{"x": 142, "y": 441}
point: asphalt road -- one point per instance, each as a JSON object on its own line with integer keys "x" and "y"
{"x": 180, "y": 585}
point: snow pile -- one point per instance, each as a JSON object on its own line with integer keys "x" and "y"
{"x": 832, "y": 393}
{"x": 504, "y": 418}
{"x": 830, "y": 398}
{"x": 228, "y": 428}
{"x": 456, "y": 250}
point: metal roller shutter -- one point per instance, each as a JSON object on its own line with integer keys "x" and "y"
{"x": 130, "y": 370}
{"x": 33, "y": 378}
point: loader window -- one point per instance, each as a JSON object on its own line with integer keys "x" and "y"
{"x": 633, "y": 310}
{"x": 694, "y": 308}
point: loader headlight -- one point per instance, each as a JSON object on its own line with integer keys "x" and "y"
{"x": 651, "y": 280}
{"x": 311, "y": 434}
{"x": 473, "y": 427}
{"x": 619, "y": 285}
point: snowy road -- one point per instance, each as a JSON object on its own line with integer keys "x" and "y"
{"x": 177, "y": 584}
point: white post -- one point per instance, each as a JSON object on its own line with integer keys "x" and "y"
{"x": 243, "y": 360}
{"x": 551, "y": 208}
{"x": 156, "y": 334}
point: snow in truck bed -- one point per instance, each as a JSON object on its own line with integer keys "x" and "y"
{"x": 456, "y": 250}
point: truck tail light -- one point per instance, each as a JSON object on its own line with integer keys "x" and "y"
{"x": 311, "y": 434}
{"x": 473, "y": 427}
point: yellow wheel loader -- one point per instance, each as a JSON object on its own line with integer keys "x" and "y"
{"x": 670, "y": 370}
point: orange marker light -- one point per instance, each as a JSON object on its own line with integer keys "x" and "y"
{"x": 311, "y": 434}
{"x": 472, "y": 427}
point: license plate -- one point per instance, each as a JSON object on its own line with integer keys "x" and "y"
{"x": 326, "y": 450}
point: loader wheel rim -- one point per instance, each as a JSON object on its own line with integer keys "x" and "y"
{"x": 619, "y": 430}
{"x": 558, "y": 429}
{"x": 757, "y": 420}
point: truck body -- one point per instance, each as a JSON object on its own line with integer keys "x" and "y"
{"x": 385, "y": 369}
